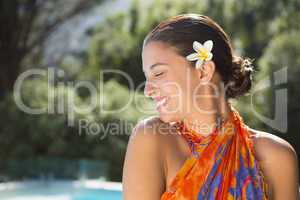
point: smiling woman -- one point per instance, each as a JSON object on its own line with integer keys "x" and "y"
{"x": 199, "y": 146}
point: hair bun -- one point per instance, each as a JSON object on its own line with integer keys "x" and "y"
{"x": 240, "y": 81}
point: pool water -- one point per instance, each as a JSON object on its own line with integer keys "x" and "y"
{"x": 67, "y": 190}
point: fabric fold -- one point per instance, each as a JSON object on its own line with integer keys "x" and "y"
{"x": 222, "y": 165}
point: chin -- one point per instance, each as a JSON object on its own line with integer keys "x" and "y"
{"x": 168, "y": 118}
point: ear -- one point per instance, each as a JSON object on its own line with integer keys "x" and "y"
{"x": 206, "y": 72}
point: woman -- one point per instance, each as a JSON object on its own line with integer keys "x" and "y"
{"x": 199, "y": 147}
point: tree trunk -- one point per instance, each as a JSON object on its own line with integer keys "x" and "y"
{"x": 9, "y": 70}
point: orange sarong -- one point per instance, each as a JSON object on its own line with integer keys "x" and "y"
{"x": 222, "y": 165}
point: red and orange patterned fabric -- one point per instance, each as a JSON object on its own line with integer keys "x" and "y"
{"x": 222, "y": 165}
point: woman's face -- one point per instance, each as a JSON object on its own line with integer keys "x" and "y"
{"x": 170, "y": 80}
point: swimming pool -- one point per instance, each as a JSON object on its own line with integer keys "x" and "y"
{"x": 61, "y": 190}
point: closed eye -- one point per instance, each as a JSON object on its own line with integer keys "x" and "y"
{"x": 156, "y": 75}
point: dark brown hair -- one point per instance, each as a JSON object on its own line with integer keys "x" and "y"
{"x": 182, "y": 30}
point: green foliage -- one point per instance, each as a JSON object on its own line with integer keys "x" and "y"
{"x": 267, "y": 31}
{"x": 116, "y": 43}
{"x": 282, "y": 52}
{"x": 54, "y": 168}
{"x": 48, "y": 135}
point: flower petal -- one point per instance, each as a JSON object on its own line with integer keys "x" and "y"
{"x": 199, "y": 64}
{"x": 197, "y": 46}
{"x": 208, "y": 45}
{"x": 210, "y": 56}
{"x": 192, "y": 57}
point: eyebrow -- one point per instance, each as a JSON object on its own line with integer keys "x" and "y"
{"x": 157, "y": 64}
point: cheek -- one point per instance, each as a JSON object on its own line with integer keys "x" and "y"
{"x": 171, "y": 89}
{"x": 182, "y": 99}
{"x": 176, "y": 92}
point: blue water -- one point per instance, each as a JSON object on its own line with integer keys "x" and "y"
{"x": 98, "y": 194}
{"x": 58, "y": 191}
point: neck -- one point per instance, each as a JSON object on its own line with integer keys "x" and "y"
{"x": 204, "y": 121}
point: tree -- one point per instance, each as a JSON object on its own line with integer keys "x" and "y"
{"x": 26, "y": 24}
{"x": 283, "y": 51}
{"x": 116, "y": 43}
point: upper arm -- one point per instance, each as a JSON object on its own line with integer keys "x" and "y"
{"x": 143, "y": 176}
{"x": 280, "y": 167}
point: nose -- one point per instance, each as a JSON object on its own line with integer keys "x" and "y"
{"x": 149, "y": 89}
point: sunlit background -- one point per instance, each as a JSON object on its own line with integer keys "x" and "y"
{"x": 66, "y": 154}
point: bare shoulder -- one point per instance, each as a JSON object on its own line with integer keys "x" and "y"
{"x": 150, "y": 127}
{"x": 267, "y": 145}
{"x": 146, "y": 137}
{"x": 279, "y": 163}
{"x": 143, "y": 170}
{"x": 157, "y": 136}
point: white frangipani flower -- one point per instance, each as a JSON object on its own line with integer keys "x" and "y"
{"x": 203, "y": 53}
